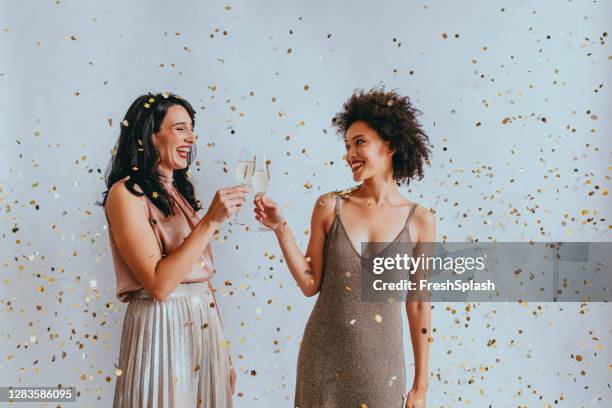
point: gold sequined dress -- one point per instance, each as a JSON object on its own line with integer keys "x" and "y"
{"x": 352, "y": 352}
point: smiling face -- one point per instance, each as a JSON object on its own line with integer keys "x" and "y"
{"x": 367, "y": 154}
{"x": 174, "y": 139}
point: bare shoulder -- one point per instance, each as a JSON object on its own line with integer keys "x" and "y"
{"x": 327, "y": 200}
{"x": 425, "y": 221}
{"x": 324, "y": 209}
{"x": 120, "y": 188}
{"x": 423, "y": 215}
{"x": 119, "y": 196}
{"x": 325, "y": 204}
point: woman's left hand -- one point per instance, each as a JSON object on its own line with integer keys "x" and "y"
{"x": 416, "y": 398}
{"x": 233, "y": 379}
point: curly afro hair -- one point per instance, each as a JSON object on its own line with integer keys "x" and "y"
{"x": 393, "y": 117}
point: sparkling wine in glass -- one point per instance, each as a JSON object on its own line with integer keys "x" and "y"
{"x": 244, "y": 170}
{"x": 261, "y": 180}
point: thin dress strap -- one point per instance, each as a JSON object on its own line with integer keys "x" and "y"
{"x": 407, "y": 227}
{"x": 410, "y": 215}
{"x": 334, "y": 225}
{"x": 414, "y": 205}
{"x": 337, "y": 205}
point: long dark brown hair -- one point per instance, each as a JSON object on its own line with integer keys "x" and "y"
{"x": 135, "y": 158}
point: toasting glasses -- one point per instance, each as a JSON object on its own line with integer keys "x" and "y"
{"x": 245, "y": 165}
{"x": 261, "y": 180}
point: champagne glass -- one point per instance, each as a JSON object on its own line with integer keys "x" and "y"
{"x": 244, "y": 170}
{"x": 261, "y": 180}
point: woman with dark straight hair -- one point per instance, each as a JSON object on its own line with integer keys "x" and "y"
{"x": 172, "y": 353}
{"x": 352, "y": 352}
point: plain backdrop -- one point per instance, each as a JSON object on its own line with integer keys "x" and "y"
{"x": 515, "y": 99}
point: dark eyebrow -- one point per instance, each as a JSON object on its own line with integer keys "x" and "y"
{"x": 358, "y": 135}
{"x": 180, "y": 123}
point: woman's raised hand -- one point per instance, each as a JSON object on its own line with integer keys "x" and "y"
{"x": 268, "y": 213}
{"x": 226, "y": 202}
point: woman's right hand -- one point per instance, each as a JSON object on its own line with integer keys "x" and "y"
{"x": 226, "y": 202}
{"x": 268, "y": 213}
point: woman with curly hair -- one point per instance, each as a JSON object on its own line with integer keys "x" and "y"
{"x": 172, "y": 351}
{"x": 351, "y": 353}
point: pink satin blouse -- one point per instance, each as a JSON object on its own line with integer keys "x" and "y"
{"x": 170, "y": 233}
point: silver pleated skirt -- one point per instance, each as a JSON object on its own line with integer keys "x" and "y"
{"x": 173, "y": 352}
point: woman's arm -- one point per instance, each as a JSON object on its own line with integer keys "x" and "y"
{"x": 307, "y": 270}
{"x": 138, "y": 245}
{"x": 419, "y": 311}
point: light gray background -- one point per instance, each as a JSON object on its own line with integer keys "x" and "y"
{"x": 523, "y": 180}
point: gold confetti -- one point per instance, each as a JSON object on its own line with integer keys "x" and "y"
{"x": 345, "y": 193}
{"x": 378, "y": 318}
{"x": 155, "y": 194}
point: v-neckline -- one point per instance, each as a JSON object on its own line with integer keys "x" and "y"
{"x": 348, "y": 238}
{"x": 181, "y": 202}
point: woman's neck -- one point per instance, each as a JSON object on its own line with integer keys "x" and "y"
{"x": 167, "y": 177}
{"x": 380, "y": 190}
